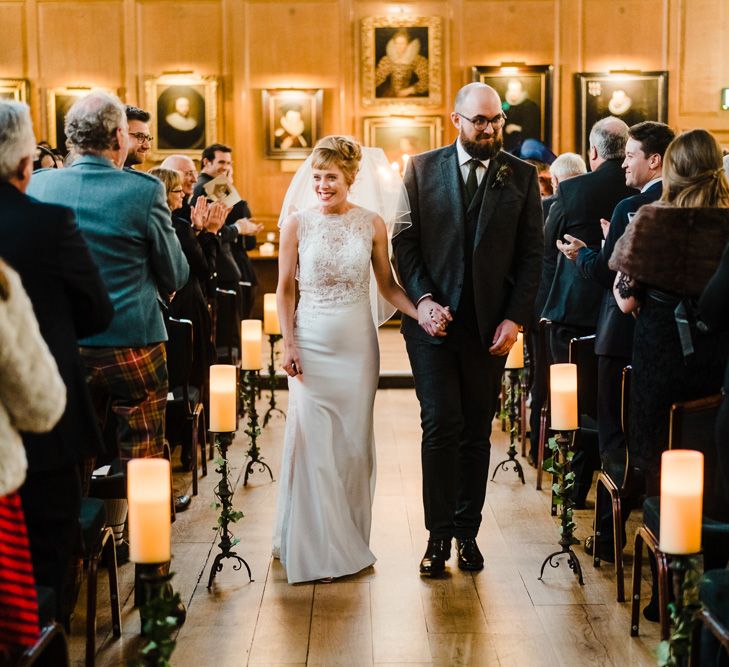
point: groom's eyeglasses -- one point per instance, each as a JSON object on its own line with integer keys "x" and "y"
{"x": 481, "y": 122}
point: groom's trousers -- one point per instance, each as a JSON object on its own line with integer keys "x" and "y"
{"x": 457, "y": 383}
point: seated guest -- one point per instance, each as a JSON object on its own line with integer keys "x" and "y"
{"x": 673, "y": 358}
{"x": 32, "y": 399}
{"x": 43, "y": 244}
{"x": 124, "y": 217}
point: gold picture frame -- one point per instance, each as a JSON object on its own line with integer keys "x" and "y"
{"x": 403, "y": 136}
{"x": 402, "y": 60}
{"x": 184, "y": 110}
{"x": 14, "y": 89}
{"x": 58, "y": 102}
{"x": 292, "y": 122}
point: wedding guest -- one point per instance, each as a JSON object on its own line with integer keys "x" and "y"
{"x": 44, "y": 158}
{"x": 43, "y": 244}
{"x": 32, "y": 399}
{"x": 140, "y": 141}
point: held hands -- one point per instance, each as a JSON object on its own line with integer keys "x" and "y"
{"x": 291, "y": 362}
{"x": 504, "y": 338}
{"x": 433, "y": 318}
{"x": 571, "y": 248}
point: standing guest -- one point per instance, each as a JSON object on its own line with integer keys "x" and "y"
{"x": 44, "y": 245}
{"x": 32, "y": 399}
{"x": 235, "y": 270}
{"x": 673, "y": 358}
{"x": 123, "y": 216}
{"x": 44, "y": 158}
{"x": 472, "y": 256}
{"x": 140, "y": 141}
{"x": 564, "y": 167}
{"x": 643, "y": 164}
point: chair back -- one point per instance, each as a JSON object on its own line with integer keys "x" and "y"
{"x": 582, "y": 353}
{"x": 692, "y": 424}
{"x": 227, "y": 323}
{"x": 179, "y": 354}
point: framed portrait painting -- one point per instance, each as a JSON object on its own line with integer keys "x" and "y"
{"x": 14, "y": 89}
{"x": 402, "y": 137}
{"x": 526, "y": 98}
{"x": 58, "y": 102}
{"x": 630, "y": 96}
{"x": 401, "y": 61}
{"x": 292, "y": 122}
{"x": 184, "y": 113}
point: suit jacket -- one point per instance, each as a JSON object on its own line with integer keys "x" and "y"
{"x": 44, "y": 245}
{"x": 614, "y": 328}
{"x": 507, "y": 250}
{"x": 547, "y": 204}
{"x": 124, "y": 218}
{"x": 581, "y": 202}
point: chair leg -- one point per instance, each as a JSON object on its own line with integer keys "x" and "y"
{"x": 635, "y": 596}
{"x": 540, "y": 452}
{"x": 193, "y": 448}
{"x": 663, "y": 575}
{"x": 522, "y": 418}
{"x": 618, "y": 543}
{"x": 91, "y": 581}
{"x": 201, "y": 433}
{"x": 109, "y": 555}
{"x": 595, "y": 530}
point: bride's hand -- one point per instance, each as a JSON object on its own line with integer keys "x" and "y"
{"x": 291, "y": 362}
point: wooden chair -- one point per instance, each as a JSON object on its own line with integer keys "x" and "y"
{"x": 50, "y": 649}
{"x": 714, "y": 615}
{"x": 691, "y": 426}
{"x": 613, "y": 477}
{"x": 184, "y": 419}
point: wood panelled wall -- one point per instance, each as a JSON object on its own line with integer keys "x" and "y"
{"x": 256, "y": 44}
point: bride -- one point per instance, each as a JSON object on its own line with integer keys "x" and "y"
{"x": 331, "y": 353}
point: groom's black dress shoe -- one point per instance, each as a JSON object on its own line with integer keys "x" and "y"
{"x": 469, "y": 556}
{"x": 436, "y": 555}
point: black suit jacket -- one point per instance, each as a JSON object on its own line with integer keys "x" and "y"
{"x": 43, "y": 244}
{"x": 614, "y": 327}
{"x": 581, "y": 202}
{"x": 507, "y": 250}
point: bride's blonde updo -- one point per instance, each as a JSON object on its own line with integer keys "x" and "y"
{"x": 340, "y": 151}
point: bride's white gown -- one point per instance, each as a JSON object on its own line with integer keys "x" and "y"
{"x": 327, "y": 477}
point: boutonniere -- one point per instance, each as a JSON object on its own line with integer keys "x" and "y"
{"x": 502, "y": 177}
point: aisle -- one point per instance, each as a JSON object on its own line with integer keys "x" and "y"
{"x": 387, "y": 615}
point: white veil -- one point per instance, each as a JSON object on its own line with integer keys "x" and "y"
{"x": 377, "y": 188}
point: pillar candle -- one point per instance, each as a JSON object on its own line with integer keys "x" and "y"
{"x": 149, "y": 491}
{"x": 563, "y": 397}
{"x": 516, "y": 353}
{"x": 222, "y": 398}
{"x": 682, "y": 491}
{"x": 251, "y": 343}
{"x": 271, "y": 324}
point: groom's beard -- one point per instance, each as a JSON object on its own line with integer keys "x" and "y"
{"x": 483, "y": 150}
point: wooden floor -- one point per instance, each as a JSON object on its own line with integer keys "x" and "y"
{"x": 386, "y": 615}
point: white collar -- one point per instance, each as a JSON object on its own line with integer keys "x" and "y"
{"x": 650, "y": 183}
{"x": 464, "y": 157}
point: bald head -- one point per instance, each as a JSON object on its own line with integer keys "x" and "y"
{"x": 608, "y": 136}
{"x": 476, "y": 93}
{"x": 187, "y": 170}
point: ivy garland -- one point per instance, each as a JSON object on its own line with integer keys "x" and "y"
{"x": 562, "y": 488}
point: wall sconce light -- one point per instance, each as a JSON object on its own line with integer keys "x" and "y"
{"x": 725, "y": 99}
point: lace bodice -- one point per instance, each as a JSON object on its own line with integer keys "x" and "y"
{"x": 334, "y": 258}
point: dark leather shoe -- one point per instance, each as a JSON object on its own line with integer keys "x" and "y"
{"x": 182, "y": 503}
{"x": 434, "y": 560}
{"x": 469, "y": 556}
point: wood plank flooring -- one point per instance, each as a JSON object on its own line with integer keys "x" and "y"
{"x": 386, "y": 615}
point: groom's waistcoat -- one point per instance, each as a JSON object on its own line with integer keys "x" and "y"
{"x": 466, "y": 310}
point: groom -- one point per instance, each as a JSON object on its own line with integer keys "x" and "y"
{"x": 471, "y": 262}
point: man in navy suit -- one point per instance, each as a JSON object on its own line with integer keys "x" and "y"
{"x": 643, "y": 164}
{"x": 472, "y": 255}
{"x": 43, "y": 244}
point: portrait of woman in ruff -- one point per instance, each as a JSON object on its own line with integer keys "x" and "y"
{"x": 401, "y": 60}
{"x": 292, "y": 122}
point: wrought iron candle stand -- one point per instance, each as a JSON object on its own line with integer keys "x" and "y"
{"x": 224, "y": 494}
{"x": 513, "y": 407}
{"x": 560, "y": 465}
{"x": 272, "y": 339}
{"x": 249, "y": 384}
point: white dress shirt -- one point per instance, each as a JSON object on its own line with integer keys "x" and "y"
{"x": 463, "y": 160}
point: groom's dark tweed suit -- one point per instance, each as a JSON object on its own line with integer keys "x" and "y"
{"x": 484, "y": 261}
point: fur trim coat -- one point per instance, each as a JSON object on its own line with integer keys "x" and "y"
{"x": 32, "y": 393}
